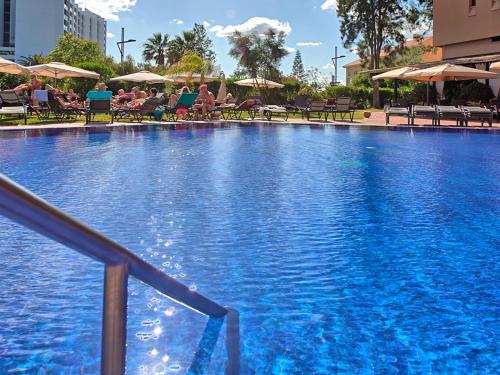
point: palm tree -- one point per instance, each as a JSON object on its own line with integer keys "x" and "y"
{"x": 155, "y": 48}
{"x": 32, "y": 60}
{"x": 180, "y": 45}
{"x": 191, "y": 63}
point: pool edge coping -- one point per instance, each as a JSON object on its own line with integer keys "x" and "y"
{"x": 57, "y": 129}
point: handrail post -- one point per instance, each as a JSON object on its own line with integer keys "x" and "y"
{"x": 233, "y": 342}
{"x": 114, "y": 326}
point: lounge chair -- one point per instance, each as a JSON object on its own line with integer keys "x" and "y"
{"x": 99, "y": 102}
{"x": 396, "y": 111}
{"x": 317, "y": 107}
{"x": 185, "y": 101}
{"x": 41, "y": 110}
{"x": 60, "y": 112}
{"x": 268, "y": 111}
{"x": 424, "y": 112}
{"x": 343, "y": 106}
{"x": 148, "y": 108}
{"x": 12, "y": 105}
{"x": 250, "y": 105}
{"x": 479, "y": 114}
{"x": 495, "y": 107}
{"x": 448, "y": 112}
{"x": 300, "y": 104}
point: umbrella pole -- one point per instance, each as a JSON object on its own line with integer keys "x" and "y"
{"x": 396, "y": 90}
{"x": 428, "y": 84}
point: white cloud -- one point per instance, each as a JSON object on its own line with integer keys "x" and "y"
{"x": 309, "y": 44}
{"x": 255, "y": 25}
{"x": 206, "y": 23}
{"x": 110, "y": 35}
{"x": 108, "y": 9}
{"x": 328, "y": 66}
{"x": 329, "y": 5}
{"x": 177, "y": 21}
{"x": 290, "y": 49}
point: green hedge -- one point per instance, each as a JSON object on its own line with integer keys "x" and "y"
{"x": 361, "y": 96}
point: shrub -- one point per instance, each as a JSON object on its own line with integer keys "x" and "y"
{"x": 361, "y": 96}
{"x": 10, "y": 81}
{"x": 309, "y": 91}
{"x": 477, "y": 92}
{"x": 83, "y": 85}
{"x": 386, "y": 95}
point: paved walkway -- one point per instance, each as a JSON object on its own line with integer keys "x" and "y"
{"x": 376, "y": 119}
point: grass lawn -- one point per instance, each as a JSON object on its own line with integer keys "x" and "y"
{"x": 103, "y": 118}
{"x": 358, "y": 115}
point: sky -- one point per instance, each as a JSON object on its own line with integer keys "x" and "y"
{"x": 311, "y": 26}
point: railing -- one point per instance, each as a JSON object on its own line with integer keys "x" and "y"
{"x": 23, "y": 207}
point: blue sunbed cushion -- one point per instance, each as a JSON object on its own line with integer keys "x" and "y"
{"x": 99, "y": 95}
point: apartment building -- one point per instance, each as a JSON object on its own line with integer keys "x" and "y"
{"x": 34, "y": 26}
{"x": 467, "y": 28}
{"x": 354, "y": 68}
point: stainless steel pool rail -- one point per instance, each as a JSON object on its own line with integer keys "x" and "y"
{"x": 25, "y": 208}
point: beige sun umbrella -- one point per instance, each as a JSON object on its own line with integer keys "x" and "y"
{"x": 450, "y": 72}
{"x": 189, "y": 78}
{"x": 59, "y": 70}
{"x": 7, "y": 66}
{"x": 495, "y": 66}
{"x": 222, "y": 94}
{"x": 399, "y": 73}
{"x": 260, "y": 82}
{"x": 395, "y": 74}
{"x": 144, "y": 76}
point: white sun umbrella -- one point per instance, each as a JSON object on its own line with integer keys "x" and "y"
{"x": 222, "y": 94}
{"x": 495, "y": 66}
{"x": 59, "y": 70}
{"x": 143, "y": 76}
{"x": 259, "y": 82}
{"x": 7, "y": 66}
{"x": 189, "y": 78}
{"x": 399, "y": 73}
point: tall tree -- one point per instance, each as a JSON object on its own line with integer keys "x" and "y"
{"x": 420, "y": 15}
{"x": 180, "y": 45}
{"x": 195, "y": 40}
{"x": 259, "y": 55}
{"x": 298, "y": 71}
{"x": 72, "y": 50}
{"x": 155, "y": 48}
{"x": 371, "y": 26}
{"x": 203, "y": 44}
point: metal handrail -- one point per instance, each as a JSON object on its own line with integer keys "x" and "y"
{"x": 24, "y": 207}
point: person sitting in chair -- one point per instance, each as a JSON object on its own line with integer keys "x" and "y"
{"x": 204, "y": 102}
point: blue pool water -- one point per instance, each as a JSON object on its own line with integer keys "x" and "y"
{"x": 344, "y": 250}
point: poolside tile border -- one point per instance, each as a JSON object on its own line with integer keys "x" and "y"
{"x": 61, "y": 129}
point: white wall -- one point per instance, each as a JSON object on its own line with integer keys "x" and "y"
{"x": 39, "y": 23}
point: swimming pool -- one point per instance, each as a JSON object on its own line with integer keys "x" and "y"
{"x": 344, "y": 250}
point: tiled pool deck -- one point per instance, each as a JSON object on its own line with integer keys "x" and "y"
{"x": 376, "y": 120}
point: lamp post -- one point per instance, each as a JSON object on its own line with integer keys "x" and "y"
{"x": 121, "y": 44}
{"x": 335, "y": 63}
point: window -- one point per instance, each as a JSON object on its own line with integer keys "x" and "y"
{"x": 472, "y": 7}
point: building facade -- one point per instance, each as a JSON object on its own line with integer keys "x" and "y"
{"x": 34, "y": 26}
{"x": 467, "y": 28}
{"x": 433, "y": 54}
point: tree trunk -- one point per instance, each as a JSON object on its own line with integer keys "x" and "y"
{"x": 376, "y": 94}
